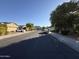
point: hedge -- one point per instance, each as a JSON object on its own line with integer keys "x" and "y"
{"x": 3, "y": 29}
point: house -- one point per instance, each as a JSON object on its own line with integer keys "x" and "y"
{"x": 10, "y": 26}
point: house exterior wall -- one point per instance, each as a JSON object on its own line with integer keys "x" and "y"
{"x": 12, "y": 27}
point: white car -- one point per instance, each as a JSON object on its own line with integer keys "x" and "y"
{"x": 18, "y": 30}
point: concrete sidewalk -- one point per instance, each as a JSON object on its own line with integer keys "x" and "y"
{"x": 13, "y": 35}
{"x": 71, "y": 42}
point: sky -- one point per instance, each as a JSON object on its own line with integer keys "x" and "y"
{"x": 28, "y": 11}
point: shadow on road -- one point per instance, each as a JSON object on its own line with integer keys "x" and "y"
{"x": 38, "y": 48}
{"x": 43, "y": 33}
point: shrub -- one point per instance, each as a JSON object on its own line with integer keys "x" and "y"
{"x": 65, "y": 32}
{"x": 3, "y": 29}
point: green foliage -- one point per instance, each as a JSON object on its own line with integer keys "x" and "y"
{"x": 77, "y": 29}
{"x": 29, "y": 26}
{"x": 3, "y": 30}
{"x": 62, "y": 18}
{"x": 61, "y": 12}
{"x": 43, "y": 28}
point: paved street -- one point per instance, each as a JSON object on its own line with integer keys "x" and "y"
{"x": 35, "y": 45}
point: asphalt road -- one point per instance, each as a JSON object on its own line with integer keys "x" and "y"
{"x": 35, "y": 45}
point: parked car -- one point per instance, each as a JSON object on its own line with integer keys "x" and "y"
{"x": 19, "y": 30}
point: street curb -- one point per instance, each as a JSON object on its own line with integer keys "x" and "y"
{"x": 13, "y": 35}
{"x": 68, "y": 41}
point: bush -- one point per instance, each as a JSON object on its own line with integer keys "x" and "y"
{"x": 3, "y": 30}
{"x": 53, "y": 30}
{"x": 77, "y": 29}
{"x": 65, "y": 32}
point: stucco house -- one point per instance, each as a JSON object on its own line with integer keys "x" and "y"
{"x": 10, "y": 26}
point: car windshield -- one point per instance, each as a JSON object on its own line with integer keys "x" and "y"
{"x": 39, "y": 29}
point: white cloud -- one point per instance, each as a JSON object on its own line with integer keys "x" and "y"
{"x": 62, "y": 1}
{"x": 65, "y": 0}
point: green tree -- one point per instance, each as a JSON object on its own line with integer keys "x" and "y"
{"x": 63, "y": 17}
{"x": 43, "y": 28}
{"x": 29, "y": 26}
